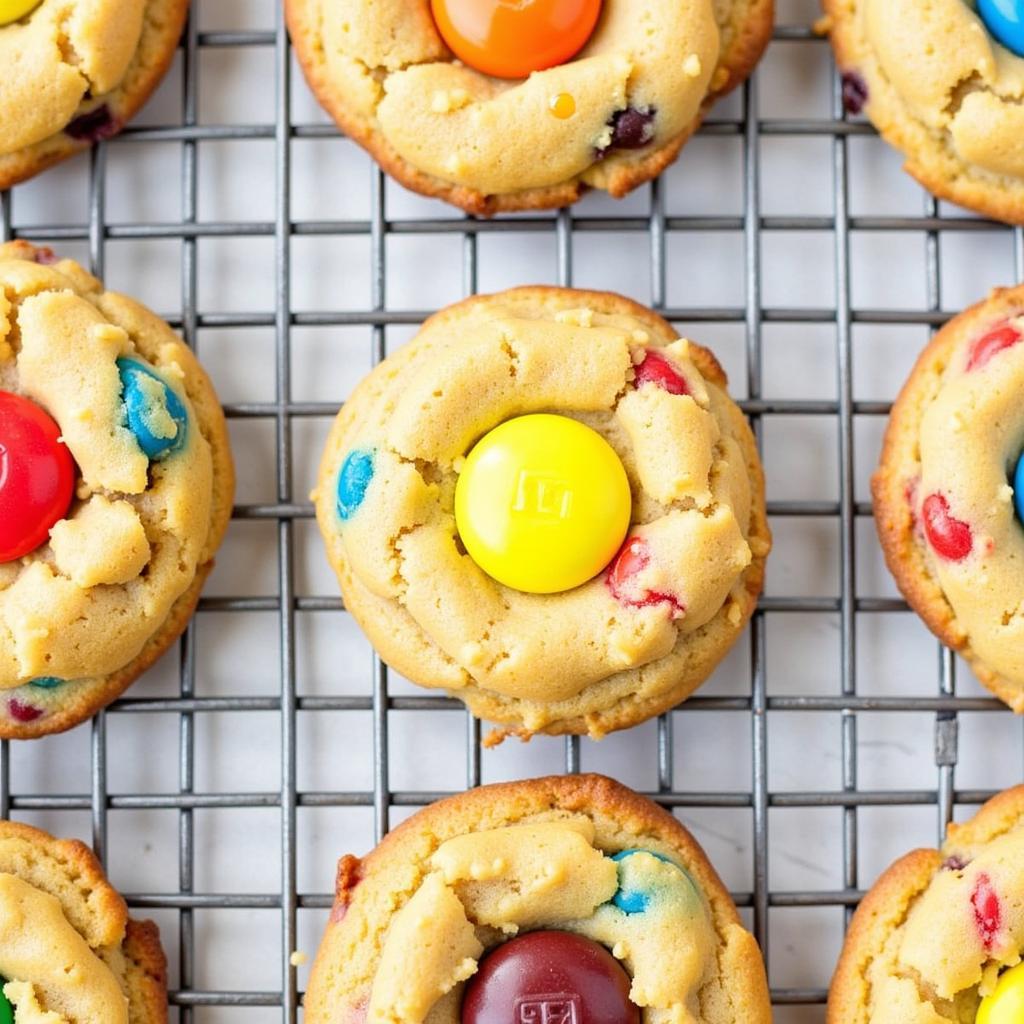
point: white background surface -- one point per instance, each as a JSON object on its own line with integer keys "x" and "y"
{"x": 237, "y": 850}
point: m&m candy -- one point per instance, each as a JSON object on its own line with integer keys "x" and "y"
{"x": 154, "y": 412}
{"x": 513, "y": 38}
{"x": 353, "y": 479}
{"x": 549, "y": 976}
{"x": 1018, "y": 488}
{"x": 6, "y": 1010}
{"x": 10, "y": 11}
{"x": 1005, "y": 1005}
{"x": 542, "y": 503}
{"x": 37, "y": 476}
{"x": 1005, "y": 20}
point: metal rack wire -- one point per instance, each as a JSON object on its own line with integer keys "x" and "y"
{"x": 288, "y": 508}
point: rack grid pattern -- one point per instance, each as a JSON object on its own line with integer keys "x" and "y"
{"x": 289, "y": 507}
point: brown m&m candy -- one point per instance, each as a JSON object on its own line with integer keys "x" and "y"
{"x": 549, "y": 978}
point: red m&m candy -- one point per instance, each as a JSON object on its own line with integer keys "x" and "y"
{"x": 655, "y": 369}
{"x": 949, "y": 537}
{"x": 549, "y": 978}
{"x": 512, "y": 38}
{"x": 37, "y": 476}
{"x": 990, "y": 345}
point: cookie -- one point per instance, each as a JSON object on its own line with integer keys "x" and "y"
{"x": 947, "y": 511}
{"x": 112, "y": 436}
{"x": 76, "y": 73}
{"x": 937, "y": 83}
{"x": 928, "y": 942}
{"x": 651, "y": 624}
{"x": 503, "y": 903}
{"x": 610, "y": 113}
{"x": 68, "y": 950}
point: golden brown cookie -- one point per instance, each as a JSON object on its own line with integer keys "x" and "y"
{"x": 637, "y": 637}
{"x": 939, "y": 87}
{"x": 944, "y": 493}
{"x": 930, "y": 939}
{"x": 470, "y": 876}
{"x": 93, "y": 594}
{"x": 68, "y": 950}
{"x": 612, "y": 117}
{"x": 75, "y": 73}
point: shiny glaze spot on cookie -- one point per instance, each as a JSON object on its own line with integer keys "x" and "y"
{"x": 154, "y": 412}
{"x": 353, "y": 479}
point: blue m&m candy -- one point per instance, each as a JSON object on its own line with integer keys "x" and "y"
{"x": 1005, "y": 20}
{"x": 353, "y": 479}
{"x": 1018, "y": 488}
{"x": 155, "y": 414}
{"x": 630, "y": 897}
{"x": 46, "y": 682}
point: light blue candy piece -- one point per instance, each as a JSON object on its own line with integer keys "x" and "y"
{"x": 1005, "y": 20}
{"x": 636, "y": 901}
{"x": 353, "y": 479}
{"x": 1018, "y": 488}
{"x": 46, "y": 682}
{"x": 142, "y": 411}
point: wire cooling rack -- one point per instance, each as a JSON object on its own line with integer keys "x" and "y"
{"x": 837, "y": 735}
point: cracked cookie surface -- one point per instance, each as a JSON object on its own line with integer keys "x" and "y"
{"x": 75, "y": 71}
{"x": 638, "y": 90}
{"x": 939, "y": 87}
{"x": 578, "y": 854}
{"x": 69, "y": 953}
{"x": 944, "y": 504}
{"x": 929, "y": 939}
{"x": 634, "y": 640}
{"x": 84, "y": 614}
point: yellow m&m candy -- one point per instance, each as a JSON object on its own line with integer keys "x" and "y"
{"x": 14, "y": 10}
{"x": 1005, "y": 1005}
{"x": 542, "y": 503}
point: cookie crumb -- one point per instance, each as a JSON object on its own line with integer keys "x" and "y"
{"x": 455, "y": 164}
{"x": 445, "y": 101}
{"x": 109, "y": 332}
{"x": 298, "y": 958}
{"x": 692, "y": 66}
{"x": 576, "y": 317}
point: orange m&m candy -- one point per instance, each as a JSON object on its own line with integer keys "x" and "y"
{"x": 512, "y": 38}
